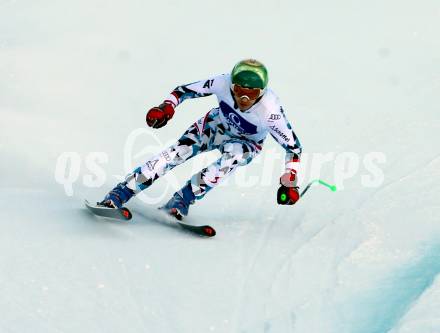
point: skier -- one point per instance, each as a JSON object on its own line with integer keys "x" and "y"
{"x": 248, "y": 110}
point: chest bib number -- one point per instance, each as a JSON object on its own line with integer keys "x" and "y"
{"x": 235, "y": 120}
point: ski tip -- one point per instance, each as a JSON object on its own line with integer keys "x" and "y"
{"x": 122, "y": 213}
{"x": 209, "y": 231}
{"x": 201, "y": 230}
{"x": 126, "y": 213}
{"x": 87, "y": 204}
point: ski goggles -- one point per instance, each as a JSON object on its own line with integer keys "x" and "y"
{"x": 251, "y": 93}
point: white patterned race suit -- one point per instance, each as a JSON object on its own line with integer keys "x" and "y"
{"x": 238, "y": 135}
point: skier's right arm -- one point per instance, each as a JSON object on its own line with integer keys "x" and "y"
{"x": 195, "y": 90}
{"x": 159, "y": 116}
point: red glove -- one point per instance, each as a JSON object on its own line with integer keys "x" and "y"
{"x": 293, "y": 194}
{"x": 158, "y": 116}
{"x": 288, "y": 192}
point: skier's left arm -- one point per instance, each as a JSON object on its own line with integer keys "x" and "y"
{"x": 282, "y": 132}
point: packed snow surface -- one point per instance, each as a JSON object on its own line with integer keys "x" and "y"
{"x": 355, "y": 78}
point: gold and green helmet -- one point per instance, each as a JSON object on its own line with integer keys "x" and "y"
{"x": 250, "y": 73}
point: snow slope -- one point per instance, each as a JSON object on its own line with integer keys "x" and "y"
{"x": 355, "y": 77}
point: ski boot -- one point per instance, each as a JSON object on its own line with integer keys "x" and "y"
{"x": 179, "y": 203}
{"x": 117, "y": 196}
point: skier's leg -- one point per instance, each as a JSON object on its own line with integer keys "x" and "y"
{"x": 143, "y": 176}
{"x": 195, "y": 140}
{"x": 235, "y": 153}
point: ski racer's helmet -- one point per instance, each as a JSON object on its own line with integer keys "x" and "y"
{"x": 250, "y": 73}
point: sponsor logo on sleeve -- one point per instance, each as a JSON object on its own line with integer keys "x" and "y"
{"x": 274, "y": 117}
{"x": 280, "y": 133}
{"x": 208, "y": 83}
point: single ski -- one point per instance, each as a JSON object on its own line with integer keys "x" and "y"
{"x": 113, "y": 213}
{"x": 202, "y": 230}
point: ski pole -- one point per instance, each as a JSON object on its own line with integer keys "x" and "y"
{"x": 282, "y": 195}
{"x": 318, "y": 181}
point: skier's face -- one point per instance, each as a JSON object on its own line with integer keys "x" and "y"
{"x": 245, "y": 97}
